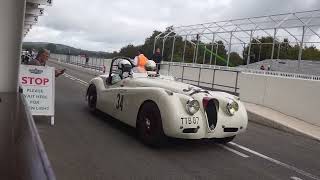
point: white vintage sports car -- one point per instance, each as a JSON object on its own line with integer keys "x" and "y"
{"x": 158, "y": 106}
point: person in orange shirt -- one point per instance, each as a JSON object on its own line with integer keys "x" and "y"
{"x": 140, "y": 60}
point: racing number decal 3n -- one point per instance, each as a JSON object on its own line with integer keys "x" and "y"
{"x": 119, "y": 102}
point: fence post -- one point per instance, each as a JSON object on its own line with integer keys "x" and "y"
{"x": 184, "y": 48}
{"x": 274, "y": 42}
{"x": 229, "y": 51}
{"x": 214, "y": 75}
{"x": 211, "y": 49}
{"x": 199, "y": 76}
{"x": 204, "y": 54}
{"x": 90, "y": 67}
{"x": 249, "y": 50}
{"x": 96, "y": 64}
{"x": 174, "y": 40}
{"x": 301, "y": 47}
{"x": 182, "y": 73}
{"x": 215, "y": 57}
{"x": 197, "y": 48}
{"x": 236, "y": 86}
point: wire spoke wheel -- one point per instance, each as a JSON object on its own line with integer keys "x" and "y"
{"x": 149, "y": 125}
{"x": 92, "y": 98}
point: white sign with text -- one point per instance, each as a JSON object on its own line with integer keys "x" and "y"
{"x": 38, "y": 88}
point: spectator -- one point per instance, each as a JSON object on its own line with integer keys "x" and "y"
{"x": 140, "y": 60}
{"x": 87, "y": 59}
{"x": 33, "y": 54}
{"x": 157, "y": 58}
{"x": 262, "y": 67}
{"x": 41, "y": 59}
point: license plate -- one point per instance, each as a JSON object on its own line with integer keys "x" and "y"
{"x": 189, "y": 120}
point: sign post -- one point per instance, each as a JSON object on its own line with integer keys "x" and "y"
{"x": 38, "y": 88}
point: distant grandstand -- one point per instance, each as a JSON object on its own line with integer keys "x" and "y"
{"x": 284, "y": 65}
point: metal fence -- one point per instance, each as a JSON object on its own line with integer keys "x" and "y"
{"x": 204, "y": 39}
{"x": 221, "y": 79}
{"x": 96, "y": 64}
{"x": 246, "y": 70}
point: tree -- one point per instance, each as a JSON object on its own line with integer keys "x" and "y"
{"x": 235, "y": 59}
{"x": 147, "y": 47}
{"x": 129, "y": 51}
{"x": 52, "y": 47}
{"x": 311, "y": 53}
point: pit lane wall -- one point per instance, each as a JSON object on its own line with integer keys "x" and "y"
{"x": 22, "y": 154}
{"x": 299, "y": 98}
{"x": 295, "y": 95}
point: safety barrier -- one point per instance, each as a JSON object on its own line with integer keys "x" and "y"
{"x": 96, "y": 64}
{"x": 295, "y": 97}
{"x": 293, "y": 94}
{"x": 204, "y": 76}
{"x": 253, "y": 71}
{"x": 22, "y": 153}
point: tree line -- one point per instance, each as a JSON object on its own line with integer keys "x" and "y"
{"x": 261, "y": 49}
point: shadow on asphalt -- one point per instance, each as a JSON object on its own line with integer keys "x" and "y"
{"x": 171, "y": 143}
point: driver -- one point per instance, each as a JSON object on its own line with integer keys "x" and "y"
{"x": 125, "y": 67}
{"x": 150, "y": 65}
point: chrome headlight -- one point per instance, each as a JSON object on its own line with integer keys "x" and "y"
{"x": 192, "y": 106}
{"x": 232, "y": 107}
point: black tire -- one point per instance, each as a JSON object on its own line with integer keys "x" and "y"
{"x": 224, "y": 140}
{"x": 149, "y": 125}
{"x": 92, "y": 98}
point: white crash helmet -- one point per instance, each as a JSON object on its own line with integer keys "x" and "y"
{"x": 150, "y": 65}
{"x": 124, "y": 65}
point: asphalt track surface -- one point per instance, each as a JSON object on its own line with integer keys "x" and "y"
{"x": 85, "y": 146}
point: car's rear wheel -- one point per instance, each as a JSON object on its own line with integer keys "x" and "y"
{"x": 224, "y": 140}
{"x": 149, "y": 125}
{"x": 92, "y": 98}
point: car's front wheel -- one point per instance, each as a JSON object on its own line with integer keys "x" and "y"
{"x": 149, "y": 125}
{"x": 92, "y": 98}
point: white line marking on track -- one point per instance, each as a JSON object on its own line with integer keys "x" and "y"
{"x": 295, "y": 178}
{"x": 76, "y": 79}
{"x": 82, "y": 83}
{"x": 276, "y": 161}
{"x": 234, "y": 151}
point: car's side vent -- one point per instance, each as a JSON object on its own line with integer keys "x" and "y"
{"x": 211, "y": 107}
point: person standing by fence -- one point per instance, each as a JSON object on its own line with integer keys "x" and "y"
{"x": 41, "y": 60}
{"x": 157, "y": 58}
{"x": 140, "y": 60}
{"x": 87, "y": 59}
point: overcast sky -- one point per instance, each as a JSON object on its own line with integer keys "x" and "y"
{"x": 108, "y": 25}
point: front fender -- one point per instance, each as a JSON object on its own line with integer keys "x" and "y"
{"x": 98, "y": 83}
